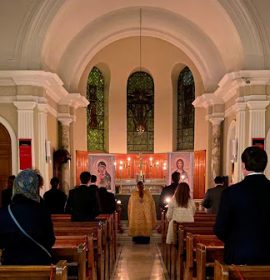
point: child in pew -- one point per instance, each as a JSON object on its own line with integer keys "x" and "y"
{"x": 26, "y": 231}
{"x": 181, "y": 209}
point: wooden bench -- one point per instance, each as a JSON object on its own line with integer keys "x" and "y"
{"x": 96, "y": 233}
{"x": 191, "y": 243}
{"x": 110, "y": 227}
{"x": 75, "y": 240}
{"x": 206, "y": 255}
{"x": 240, "y": 272}
{"x": 176, "y": 252}
{"x": 34, "y": 272}
{"x": 73, "y": 253}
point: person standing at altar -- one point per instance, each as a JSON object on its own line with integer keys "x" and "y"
{"x": 141, "y": 215}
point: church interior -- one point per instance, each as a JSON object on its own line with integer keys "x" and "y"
{"x": 126, "y": 89}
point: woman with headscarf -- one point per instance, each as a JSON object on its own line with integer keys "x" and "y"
{"x": 26, "y": 231}
{"x": 141, "y": 215}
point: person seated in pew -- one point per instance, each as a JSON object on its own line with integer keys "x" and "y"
{"x": 83, "y": 201}
{"x": 55, "y": 199}
{"x": 168, "y": 191}
{"x": 243, "y": 222}
{"x": 181, "y": 209}
{"x": 26, "y": 230}
{"x": 212, "y": 197}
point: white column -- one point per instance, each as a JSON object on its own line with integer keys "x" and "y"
{"x": 216, "y": 146}
{"x": 42, "y": 137}
{"x": 240, "y": 109}
{"x": 65, "y": 122}
{"x": 257, "y": 111}
{"x": 26, "y": 123}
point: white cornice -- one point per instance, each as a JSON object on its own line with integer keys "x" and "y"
{"x": 52, "y": 84}
{"x": 74, "y": 100}
{"x": 229, "y": 85}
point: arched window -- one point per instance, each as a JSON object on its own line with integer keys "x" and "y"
{"x": 185, "y": 110}
{"x": 140, "y": 113}
{"x": 95, "y": 111}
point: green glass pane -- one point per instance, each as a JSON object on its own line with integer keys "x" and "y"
{"x": 185, "y": 110}
{"x": 140, "y": 103}
{"x": 95, "y": 94}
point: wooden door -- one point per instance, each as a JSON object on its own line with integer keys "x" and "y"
{"x": 5, "y": 157}
{"x": 82, "y": 164}
{"x": 199, "y": 174}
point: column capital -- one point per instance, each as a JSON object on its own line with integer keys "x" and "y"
{"x": 240, "y": 106}
{"x": 65, "y": 119}
{"x": 216, "y": 121}
{"x": 25, "y": 105}
{"x": 42, "y": 108}
{"x": 258, "y": 104}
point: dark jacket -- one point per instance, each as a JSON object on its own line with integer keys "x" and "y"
{"x": 82, "y": 203}
{"x": 107, "y": 201}
{"x": 55, "y": 201}
{"x": 243, "y": 221}
{"x": 167, "y": 191}
{"x": 212, "y": 199}
{"x": 6, "y": 197}
{"x": 36, "y": 221}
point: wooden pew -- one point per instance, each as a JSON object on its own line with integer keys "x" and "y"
{"x": 111, "y": 239}
{"x": 34, "y": 272}
{"x": 191, "y": 243}
{"x": 96, "y": 233}
{"x": 91, "y": 269}
{"x": 206, "y": 255}
{"x": 74, "y": 253}
{"x": 110, "y": 222}
{"x": 177, "y": 251}
{"x": 239, "y": 272}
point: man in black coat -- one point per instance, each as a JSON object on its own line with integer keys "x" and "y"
{"x": 55, "y": 199}
{"x": 243, "y": 220}
{"x": 212, "y": 197}
{"x": 168, "y": 191}
{"x": 82, "y": 201}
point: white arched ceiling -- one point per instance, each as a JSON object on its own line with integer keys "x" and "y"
{"x": 177, "y": 29}
{"x": 219, "y": 36}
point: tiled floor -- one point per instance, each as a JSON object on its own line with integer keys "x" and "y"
{"x": 139, "y": 262}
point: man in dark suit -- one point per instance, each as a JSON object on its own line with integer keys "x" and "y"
{"x": 243, "y": 220}
{"x": 82, "y": 201}
{"x": 106, "y": 199}
{"x": 55, "y": 199}
{"x": 212, "y": 197}
{"x": 168, "y": 191}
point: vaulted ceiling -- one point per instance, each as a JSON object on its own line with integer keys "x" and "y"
{"x": 63, "y": 36}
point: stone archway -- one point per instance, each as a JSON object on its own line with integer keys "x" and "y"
{"x": 5, "y": 156}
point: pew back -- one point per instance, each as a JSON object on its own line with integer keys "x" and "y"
{"x": 239, "y": 272}
{"x": 34, "y": 272}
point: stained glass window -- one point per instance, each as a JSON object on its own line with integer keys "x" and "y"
{"x": 140, "y": 113}
{"x": 185, "y": 110}
{"x": 95, "y": 111}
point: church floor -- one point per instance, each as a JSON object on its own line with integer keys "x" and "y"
{"x": 139, "y": 262}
